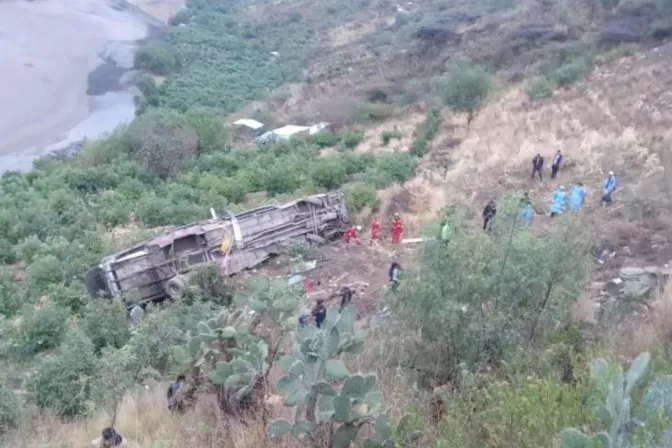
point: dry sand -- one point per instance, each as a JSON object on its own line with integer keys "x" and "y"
{"x": 47, "y": 50}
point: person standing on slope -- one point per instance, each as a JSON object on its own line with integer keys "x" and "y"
{"x": 577, "y": 196}
{"x": 319, "y": 313}
{"x": 375, "y": 230}
{"x": 537, "y": 166}
{"x": 558, "y": 201}
{"x": 557, "y": 161}
{"x": 608, "y": 188}
{"x": 489, "y": 212}
{"x": 397, "y": 228}
{"x": 526, "y": 212}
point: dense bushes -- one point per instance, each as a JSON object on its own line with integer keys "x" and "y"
{"x": 42, "y": 329}
{"x": 157, "y": 57}
{"x": 10, "y": 299}
{"x": 10, "y": 410}
{"x": 222, "y": 61}
{"x": 502, "y": 293}
{"x": 540, "y": 88}
{"x": 571, "y": 71}
{"x": 352, "y": 137}
{"x": 425, "y": 132}
{"x": 65, "y": 382}
{"x": 161, "y": 142}
{"x": 360, "y": 195}
{"x": 106, "y": 324}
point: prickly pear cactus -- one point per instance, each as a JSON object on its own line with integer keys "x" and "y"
{"x": 619, "y": 387}
{"x": 321, "y": 389}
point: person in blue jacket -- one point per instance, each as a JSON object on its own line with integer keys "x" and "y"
{"x": 526, "y": 212}
{"x": 577, "y": 196}
{"x": 608, "y": 188}
{"x": 558, "y": 202}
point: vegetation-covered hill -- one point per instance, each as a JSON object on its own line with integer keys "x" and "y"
{"x": 480, "y": 348}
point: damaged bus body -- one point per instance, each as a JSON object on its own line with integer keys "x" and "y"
{"x": 158, "y": 268}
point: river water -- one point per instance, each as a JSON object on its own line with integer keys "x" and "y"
{"x": 69, "y": 73}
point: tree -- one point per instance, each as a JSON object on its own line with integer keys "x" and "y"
{"x": 162, "y": 142}
{"x": 209, "y": 128}
{"x": 503, "y": 291}
{"x": 465, "y": 88}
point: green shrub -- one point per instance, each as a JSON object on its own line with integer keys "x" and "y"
{"x": 395, "y": 168}
{"x": 571, "y": 71}
{"x": 525, "y": 411}
{"x": 425, "y": 132}
{"x": 387, "y": 136}
{"x": 45, "y": 272}
{"x": 7, "y": 253}
{"x": 539, "y": 273}
{"x": 324, "y": 139}
{"x": 162, "y": 142}
{"x": 10, "y": 410}
{"x": 150, "y": 92}
{"x": 65, "y": 382}
{"x": 157, "y": 57}
{"x": 329, "y": 172}
{"x": 10, "y": 295}
{"x": 302, "y": 251}
{"x": 352, "y": 137}
{"x": 106, "y": 324}
{"x": 43, "y": 328}
{"x": 209, "y": 128}
{"x": 360, "y": 195}
{"x": 207, "y": 283}
{"x": 465, "y": 88}
{"x": 151, "y": 342}
{"x": 72, "y": 297}
{"x": 419, "y": 147}
{"x": 541, "y": 87}
{"x": 281, "y": 179}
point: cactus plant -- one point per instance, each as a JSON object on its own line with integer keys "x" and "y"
{"x": 226, "y": 349}
{"x": 617, "y": 408}
{"x": 322, "y": 390}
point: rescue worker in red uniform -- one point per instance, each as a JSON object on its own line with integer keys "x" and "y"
{"x": 351, "y": 235}
{"x": 375, "y": 230}
{"x": 397, "y": 228}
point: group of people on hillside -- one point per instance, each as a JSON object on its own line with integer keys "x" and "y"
{"x": 396, "y": 229}
{"x": 559, "y": 200}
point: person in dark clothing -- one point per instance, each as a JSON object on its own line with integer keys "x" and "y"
{"x": 393, "y": 274}
{"x": 489, "y": 212}
{"x": 537, "y": 166}
{"x": 109, "y": 438}
{"x": 346, "y": 296}
{"x": 557, "y": 161}
{"x": 319, "y": 313}
{"x": 173, "y": 403}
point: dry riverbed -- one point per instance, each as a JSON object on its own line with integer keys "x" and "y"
{"x": 67, "y": 70}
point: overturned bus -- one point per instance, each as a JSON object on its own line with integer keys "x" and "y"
{"x": 158, "y": 268}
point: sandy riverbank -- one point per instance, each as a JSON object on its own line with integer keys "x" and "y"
{"x": 51, "y": 52}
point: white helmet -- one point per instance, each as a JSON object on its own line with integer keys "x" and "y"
{"x": 358, "y": 228}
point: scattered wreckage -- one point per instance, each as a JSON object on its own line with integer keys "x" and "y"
{"x": 158, "y": 268}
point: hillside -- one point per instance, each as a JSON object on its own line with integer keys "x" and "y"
{"x": 490, "y": 338}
